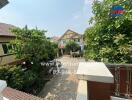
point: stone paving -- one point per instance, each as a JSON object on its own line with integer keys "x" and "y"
{"x": 63, "y": 86}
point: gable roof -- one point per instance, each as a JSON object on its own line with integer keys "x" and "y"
{"x": 5, "y": 30}
{"x": 69, "y": 31}
{"x": 13, "y": 94}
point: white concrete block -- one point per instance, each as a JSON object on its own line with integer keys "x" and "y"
{"x": 94, "y": 71}
{"x": 117, "y": 98}
{"x": 3, "y": 85}
{"x": 82, "y": 90}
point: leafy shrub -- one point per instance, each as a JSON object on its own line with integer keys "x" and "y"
{"x": 109, "y": 39}
{"x": 72, "y": 46}
{"x": 38, "y": 84}
{"x": 13, "y": 75}
{"x": 28, "y": 81}
{"x": 32, "y": 45}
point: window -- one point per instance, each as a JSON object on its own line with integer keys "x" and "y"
{"x": 64, "y": 41}
{"x": 78, "y": 40}
{"x": 7, "y": 48}
{"x": 10, "y": 46}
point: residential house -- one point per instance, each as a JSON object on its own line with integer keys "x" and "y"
{"x": 70, "y": 35}
{"x": 5, "y": 37}
{"x": 54, "y": 39}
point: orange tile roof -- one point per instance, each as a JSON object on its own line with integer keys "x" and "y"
{"x": 13, "y": 94}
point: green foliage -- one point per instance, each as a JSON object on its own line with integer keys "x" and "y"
{"x": 109, "y": 39}
{"x": 32, "y": 45}
{"x": 13, "y": 75}
{"x": 72, "y": 46}
{"x": 27, "y": 81}
{"x": 52, "y": 49}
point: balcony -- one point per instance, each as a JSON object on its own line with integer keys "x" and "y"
{"x": 98, "y": 82}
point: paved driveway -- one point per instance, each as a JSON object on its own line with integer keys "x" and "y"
{"x": 63, "y": 86}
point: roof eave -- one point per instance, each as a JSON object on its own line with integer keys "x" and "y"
{"x": 3, "y": 3}
{"x": 7, "y": 36}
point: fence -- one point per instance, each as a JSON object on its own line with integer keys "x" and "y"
{"x": 122, "y": 86}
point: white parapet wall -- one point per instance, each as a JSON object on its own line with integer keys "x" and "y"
{"x": 82, "y": 90}
{"x": 117, "y": 98}
{"x": 91, "y": 71}
{"x": 94, "y": 71}
{"x": 3, "y": 85}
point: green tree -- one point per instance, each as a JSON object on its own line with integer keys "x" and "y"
{"x": 32, "y": 45}
{"x": 52, "y": 49}
{"x": 72, "y": 46}
{"x": 109, "y": 39}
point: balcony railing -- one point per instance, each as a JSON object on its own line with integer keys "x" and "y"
{"x": 99, "y": 81}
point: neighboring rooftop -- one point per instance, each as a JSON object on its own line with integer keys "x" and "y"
{"x": 54, "y": 39}
{"x": 3, "y": 3}
{"x": 13, "y": 94}
{"x": 5, "y": 29}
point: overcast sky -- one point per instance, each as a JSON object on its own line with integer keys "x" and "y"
{"x": 55, "y": 16}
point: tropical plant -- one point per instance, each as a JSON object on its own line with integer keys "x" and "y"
{"x": 109, "y": 39}
{"x": 33, "y": 46}
{"x": 72, "y": 46}
{"x": 13, "y": 76}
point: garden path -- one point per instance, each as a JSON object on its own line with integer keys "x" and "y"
{"x": 63, "y": 86}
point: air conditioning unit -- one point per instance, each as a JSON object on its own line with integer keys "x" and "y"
{"x": 118, "y": 98}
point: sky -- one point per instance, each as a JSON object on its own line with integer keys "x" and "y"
{"x": 55, "y": 16}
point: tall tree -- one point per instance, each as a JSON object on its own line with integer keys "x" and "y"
{"x": 32, "y": 45}
{"x": 110, "y": 38}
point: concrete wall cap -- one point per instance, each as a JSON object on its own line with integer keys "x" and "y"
{"x": 94, "y": 71}
{"x": 3, "y": 85}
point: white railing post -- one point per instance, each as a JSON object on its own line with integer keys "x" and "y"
{"x": 3, "y": 85}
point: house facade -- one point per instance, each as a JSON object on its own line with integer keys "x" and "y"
{"x": 70, "y": 35}
{"x": 5, "y": 37}
{"x": 54, "y": 39}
